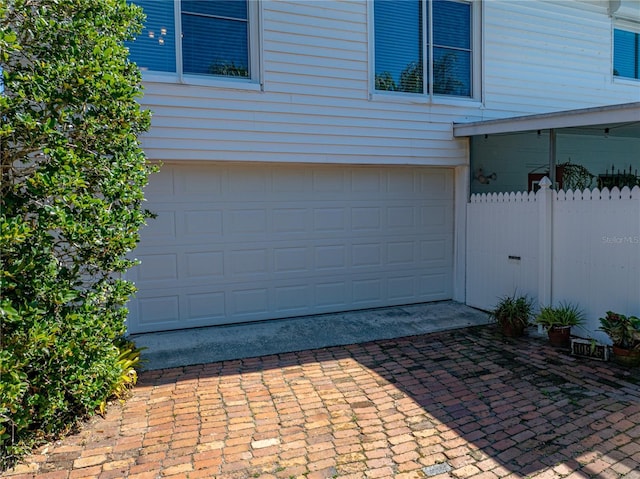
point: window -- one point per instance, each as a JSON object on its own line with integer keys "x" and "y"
{"x": 441, "y": 34}
{"x": 626, "y": 53}
{"x": 193, "y": 38}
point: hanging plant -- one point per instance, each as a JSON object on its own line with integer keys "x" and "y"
{"x": 575, "y": 177}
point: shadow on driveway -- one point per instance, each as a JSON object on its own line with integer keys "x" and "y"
{"x": 459, "y": 404}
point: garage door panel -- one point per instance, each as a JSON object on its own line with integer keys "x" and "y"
{"x": 401, "y": 253}
{"x": 291, "y": 259}
{"x": 234, "y": 243}
{"x": 157, "y": 310}
{"x": 366, "y": 219}
{"x": 201, "y": 222}
{"x": 435, "y": 251}
{"x": 249, "y": 303}
{"x": 160, "y": 229}
{"x": 206, "y": 306}
{"x": 248, "y": 263}
{"x": 196, "y": 183}
{"x": 402, "y": 288}
{"x": 158, "y": 267}
{"x": 329, "y": 180}
{"x": 204, "y": 265}
{"x": 292, "y": 299}
{"x": 330, "y": 257}
{"x": 287, "y": 220}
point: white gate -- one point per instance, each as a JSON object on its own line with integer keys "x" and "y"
{"x": 580, "y": 247}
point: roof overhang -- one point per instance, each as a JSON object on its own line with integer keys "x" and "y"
{"x": 602, "y": 115}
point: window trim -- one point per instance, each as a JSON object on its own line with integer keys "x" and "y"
{"x": 256, "y": 68}
{"x": 628, "y": 26}
{"x": 477, "y": 60}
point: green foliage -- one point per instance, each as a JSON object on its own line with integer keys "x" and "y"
{"x": 624, "y": 331}
{"x": 385, "y": 82}
{"x": 71, "y": 207}
{"x": 128, "y": 360}
{"x": 575, "y": 177}
{"x": 513, "y": 311}
{"x": 563, "y": 315}
{"x": 411, "y": 78}
{"x": 228, "y": 69}
{"x": 445, "y": 78}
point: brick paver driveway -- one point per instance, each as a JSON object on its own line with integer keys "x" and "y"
{"x": 463, "y": 404}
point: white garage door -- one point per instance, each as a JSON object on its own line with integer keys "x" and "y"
{"x": 248, "y": 242}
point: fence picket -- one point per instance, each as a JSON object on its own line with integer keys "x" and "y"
{"x": 595, "y": 245}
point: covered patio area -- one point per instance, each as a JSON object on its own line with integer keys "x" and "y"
{"x": 577, "y": 241}
{"x": 585, "y": 148}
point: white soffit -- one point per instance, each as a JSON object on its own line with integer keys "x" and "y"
{"x": 623, "y": 113}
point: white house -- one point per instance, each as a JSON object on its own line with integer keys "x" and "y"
{"x": 309, "y": 162}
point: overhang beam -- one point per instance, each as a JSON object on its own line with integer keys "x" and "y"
{"x": 623, "y": 113}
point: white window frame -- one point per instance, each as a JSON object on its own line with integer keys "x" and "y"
{"x": 629, "y": 26}
{"x": 477, "y": 49}
{"x": 254, "y": 18}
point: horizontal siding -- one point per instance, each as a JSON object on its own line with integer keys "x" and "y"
{"x": 315, "y": 106}
{"x": 543, "y": 56}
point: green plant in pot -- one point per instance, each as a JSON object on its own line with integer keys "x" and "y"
{"x": 558, "y": 320}
{"x": 512, "y": 313}
{"x": 624, "y": 332}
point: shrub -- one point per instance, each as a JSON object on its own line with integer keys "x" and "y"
{"x": 71, "y": 207}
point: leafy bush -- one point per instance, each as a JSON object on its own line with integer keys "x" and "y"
{"x": 624, "y": 331}
{"x": 561, "y": 316}
{"x": 71, "y": 207}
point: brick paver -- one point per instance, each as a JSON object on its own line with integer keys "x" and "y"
{"x": 467, "y": 402}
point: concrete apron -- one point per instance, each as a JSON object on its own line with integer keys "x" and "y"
{"x": 238, "y": 341}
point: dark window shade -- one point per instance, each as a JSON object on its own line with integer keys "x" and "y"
{"x": 398, "y": 45}
{"x": 155, "y": 47}
{"x": 626, "y": 54}
{"x": 400, "y": 39}
{"x": 215, "y": 37}
{"x": 452, "y": 62}
{"x": 214, "y": 46}
{"x": 217, "y": 8}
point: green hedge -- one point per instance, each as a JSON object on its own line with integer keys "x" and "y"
{"x": 71, "y": 207}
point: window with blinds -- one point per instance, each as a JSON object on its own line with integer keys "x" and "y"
{"x": 195, "y": 37}
{"x": 626, "y": 53}
{"x": 425, "y": 46}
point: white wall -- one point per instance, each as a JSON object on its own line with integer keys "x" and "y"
{"x": 593, "y": 252}
{"x": 316, "y": 105}
{"x": 544, "y": 56}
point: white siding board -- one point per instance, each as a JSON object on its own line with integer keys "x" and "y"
{"x": 286, "y": 146}
{"x": 548, "y": 56}
{"x": 302, "y": 40}
{"x": 539, "y": 56}
{"x": 294, "y": 82}
{"x": 316, "y": 60}
{"x": 257, "y": 104}
{"x": 341, "y": 11}
{"x": 314, "y": 26}
{"x": 311, "y": 140}
{"x": 324, "y": 132}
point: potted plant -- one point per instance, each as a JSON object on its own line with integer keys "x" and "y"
{"x": 558, "y": 321}
{"x": 624, "y": 332}
{"x": 512, "y": 313}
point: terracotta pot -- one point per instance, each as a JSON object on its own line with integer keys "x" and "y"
{"x": 512, "y": 330}
{"x": 559, "y": 336}
{"x": 626, "y": 357}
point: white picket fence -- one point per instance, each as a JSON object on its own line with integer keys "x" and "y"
{"x": 581, "y": 247}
